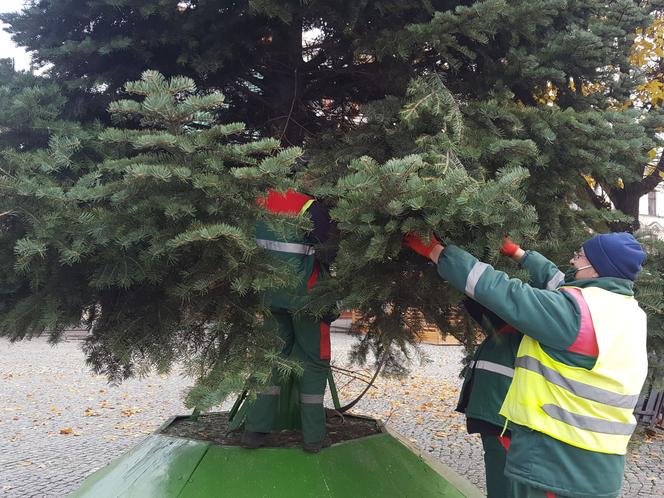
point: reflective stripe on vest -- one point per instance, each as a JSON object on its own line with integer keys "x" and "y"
{"x": 287, "y": 247}
{"x": 290, "y": 203}
{"x": 306, "y": 206}
{"x": 592, "y": 408}
{"x": 491, "y": 366}
{"x": 578, "y": 388}
{"x": 589, "y": 423}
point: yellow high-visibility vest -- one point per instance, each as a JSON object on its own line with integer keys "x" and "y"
{"x": 590, "y": 409}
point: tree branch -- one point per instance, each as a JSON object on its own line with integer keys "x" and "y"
{"x": 598, "y": 201}
{"x": 651, "y": 181}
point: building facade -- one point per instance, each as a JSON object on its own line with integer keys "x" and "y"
{"x": 651, "y": 211}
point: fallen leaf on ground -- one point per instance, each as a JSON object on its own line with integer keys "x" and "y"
{"x": 67, "y": 430}
{"x": 131, "y": 411}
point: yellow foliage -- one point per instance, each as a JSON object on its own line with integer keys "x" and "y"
{"x": 627, "y": 104}
{"x": 647, "y": 51}
{"x": 547, "y": 95}
{"x": 651, "y": 91}
{"x": 588, "y": 88}
{"x": 590, "y": 181}
{"x": 650, "y": 169}
{"x": 649, "y": 44}
{"x": 653, "y": 160}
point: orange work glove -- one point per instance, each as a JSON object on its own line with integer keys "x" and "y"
{"x": 509, "y": 248}
{"x": 417, "y": 244}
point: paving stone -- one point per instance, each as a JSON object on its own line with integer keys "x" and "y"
{"x": 59, "y": 423}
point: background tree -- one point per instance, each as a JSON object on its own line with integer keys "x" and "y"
{"x": 539, "y": 85}
{"x": 32, "y": 112}
{"x": 288, "y": 69}
{"x": 31, "y": 109}
{"x": 415, "y": 115}
{"x": 298, "y": 70}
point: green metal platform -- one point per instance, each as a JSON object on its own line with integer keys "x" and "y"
{"x": 375, "y": 466}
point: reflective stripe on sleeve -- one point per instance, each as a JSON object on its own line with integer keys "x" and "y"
{"x": 474, "y": 277}
{"x": 271, "y": 391}
{"x": 587, "y": 423}
{"x": 288, "y": 247}
{"x": 493, "y": 367}
{"x": 311, "y": 399}
{"x": 578, "y": 388}
{"x": 555, "y": 281}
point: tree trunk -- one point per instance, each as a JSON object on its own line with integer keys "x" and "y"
{"x": 627, "y": 201}
{"x": 284, "y": 88}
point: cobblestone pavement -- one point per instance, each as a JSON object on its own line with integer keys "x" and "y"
{"x": 59, "y": 423}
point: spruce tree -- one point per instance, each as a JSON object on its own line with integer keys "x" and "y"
{"x": 152, "y": 246}
{"x": 275, "y": 78}
{"x": 376, "y": 203}
{"x": 416, "y": 115}
{"x": 300, "y": 70}
{"x": 651, "y": 298}
{"x": 31, "y": 109}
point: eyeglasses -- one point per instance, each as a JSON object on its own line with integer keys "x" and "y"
{"x": 578, "y": 255}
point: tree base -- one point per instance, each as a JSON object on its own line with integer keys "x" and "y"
{"x": 213, "y": 428}
{"x": 381, "y": 464}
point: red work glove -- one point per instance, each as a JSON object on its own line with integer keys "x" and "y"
{"x": 509, "y": 248}
{"x": 417, "y": 244}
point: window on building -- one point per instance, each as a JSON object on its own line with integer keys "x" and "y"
{"x": 652, "y": 203}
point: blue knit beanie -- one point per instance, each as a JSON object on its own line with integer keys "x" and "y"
{"x": 615, "y": 255}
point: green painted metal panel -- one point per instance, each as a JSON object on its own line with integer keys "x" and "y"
{"x": 376, "y": 466}
{"x": 158, "y": 467}
{"x": 394, "y": 470}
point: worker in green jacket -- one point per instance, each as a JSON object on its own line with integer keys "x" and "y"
{"x": 489, "y": 374}
{"x": 579, "y": 368}
{"x": 486, "y": 381}
{"x": 305, "y": 338}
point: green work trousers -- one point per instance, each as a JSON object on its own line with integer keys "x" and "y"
{"x": 497, "y": 485}
{"x": 308, "y": 341}
{"x": 520, "y": 490}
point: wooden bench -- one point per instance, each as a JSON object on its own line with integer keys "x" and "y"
{"x": 650, "y": 410}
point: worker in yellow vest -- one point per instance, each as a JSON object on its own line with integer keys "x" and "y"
{"x": 489, "y": 374}
{"x": 579, "y": 368}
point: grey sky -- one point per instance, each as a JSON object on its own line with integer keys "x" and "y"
{"x": 7, "y": 47}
